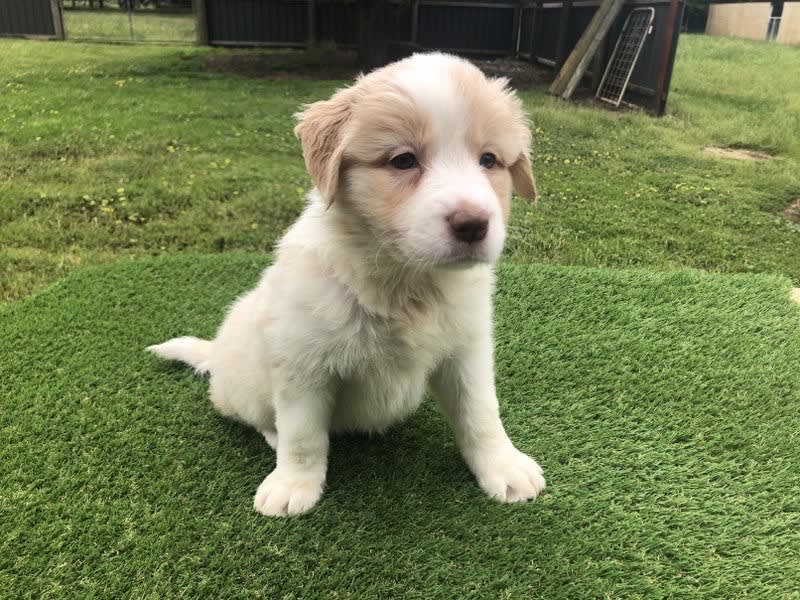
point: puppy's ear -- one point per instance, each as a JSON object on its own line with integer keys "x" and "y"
{"x": 521, "y": 171}
{"x": 522, "y": 177}
{"x": 321, "y": 131}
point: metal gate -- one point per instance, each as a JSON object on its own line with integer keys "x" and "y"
{"x": 140, "y": 21}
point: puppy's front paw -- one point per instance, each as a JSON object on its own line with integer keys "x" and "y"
{"x": 508, "y": 475}
{"x": 284, "y": 493}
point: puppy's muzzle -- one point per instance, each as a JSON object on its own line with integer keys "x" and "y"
{"x": 469, "y": 224}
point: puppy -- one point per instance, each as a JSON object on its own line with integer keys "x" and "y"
{"x": 384, "y": 284}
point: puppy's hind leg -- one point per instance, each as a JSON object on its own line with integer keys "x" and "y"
{"x": 245, "y": 402}
{"x": 215, "y": 391}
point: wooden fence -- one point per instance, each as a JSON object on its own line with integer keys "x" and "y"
{"x": 540, "y": 31}
{"x": 31, "y": 18}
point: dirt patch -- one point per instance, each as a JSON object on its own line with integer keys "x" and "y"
{"x": 330, "y": 63}
{"x": 521, "y": 74}
{"x": 284, "y": 64}
{"x": 737, "y": 153}
{"x": 792, "y": 212}
{"x": 796, "y": 295}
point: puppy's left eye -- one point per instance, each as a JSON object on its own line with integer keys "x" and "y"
{"x": 404, "y": 161}
{"x": 488, "y": 160}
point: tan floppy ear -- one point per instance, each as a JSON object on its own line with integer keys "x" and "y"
{"x": 522, "y": 177}
{"x": 321, "y": 131}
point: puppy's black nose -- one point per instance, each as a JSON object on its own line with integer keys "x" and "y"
{"x": 469, "y": 224}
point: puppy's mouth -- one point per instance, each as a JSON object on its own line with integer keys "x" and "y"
{"x": 456, "y": 255}
{"x": 464, "y": 254}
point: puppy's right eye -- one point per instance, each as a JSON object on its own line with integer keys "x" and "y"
{"x": 404, "y": 161}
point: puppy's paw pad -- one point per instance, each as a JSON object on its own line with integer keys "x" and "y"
{"x": 511, "y": 476}
{"x": 284, "y": 494}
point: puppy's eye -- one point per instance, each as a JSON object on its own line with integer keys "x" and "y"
{"x": 404, "y": 161}
{"x": 488, "y": 160}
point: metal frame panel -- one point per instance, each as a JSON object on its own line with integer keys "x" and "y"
{"x": 627, "y": 56}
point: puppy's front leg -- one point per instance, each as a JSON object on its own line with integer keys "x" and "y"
{"x": 464, "y": 387}
{"x": 302, "y": 418}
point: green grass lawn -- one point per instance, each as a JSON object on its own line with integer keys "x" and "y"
{"x": 662, "y": 406}
{"x": 110, "y": 152}
{"x": 113, "y": 24}
{"x": 661, "y": 400}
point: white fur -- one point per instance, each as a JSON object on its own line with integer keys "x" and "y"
{"x": 355, "y": 317}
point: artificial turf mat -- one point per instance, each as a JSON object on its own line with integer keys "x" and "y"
{"x": 662, "y": 406}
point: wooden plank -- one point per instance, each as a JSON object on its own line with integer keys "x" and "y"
{"x": 587, "y": 57}
{"x": 570, "y": 74}
{"x": 569, "y": 67}
{"x": 58, "y": 22}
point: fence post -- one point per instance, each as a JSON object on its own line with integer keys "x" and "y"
{"x": 414, "y": 21}
{"x": 517, "y": 29}
{"x": 58, "y": 22}
{"x": 200, "y": 22}
{"x": 533, "y": 39}
{"x": 598, "y": 64}
{"x": 130, "y": 18}
{"x": 563, "y": 29}
{"x": 312, "y": 23}
{"x": 666, "y": 59}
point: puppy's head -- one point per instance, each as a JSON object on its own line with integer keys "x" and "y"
{"x": 426, "y": 152}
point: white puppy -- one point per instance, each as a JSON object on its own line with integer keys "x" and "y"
{"x": 384, "y": 283}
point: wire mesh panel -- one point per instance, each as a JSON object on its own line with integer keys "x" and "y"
{"x": 130, "y": 20}
{"x": 623, "y": 60}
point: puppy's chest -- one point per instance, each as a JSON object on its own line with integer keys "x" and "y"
{"x": 384, "y": 369}
{"x": 412, "y": 341}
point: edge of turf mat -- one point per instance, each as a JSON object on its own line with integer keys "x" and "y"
{"x": 662, "y": 406}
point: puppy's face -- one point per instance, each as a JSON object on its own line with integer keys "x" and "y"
{"x": 426, "y": 151}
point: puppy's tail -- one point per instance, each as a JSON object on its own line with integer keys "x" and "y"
{"x": 191, "y": 350}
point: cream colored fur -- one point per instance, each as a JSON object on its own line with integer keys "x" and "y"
{"x": 371, "y": 297}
